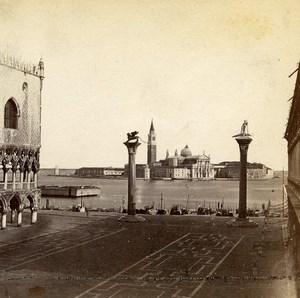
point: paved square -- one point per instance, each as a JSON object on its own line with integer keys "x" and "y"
{"x": 179, "y": 269}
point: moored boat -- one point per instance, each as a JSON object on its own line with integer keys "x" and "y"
{"x": 69, "y": 191}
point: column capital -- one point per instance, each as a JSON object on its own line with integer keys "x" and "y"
{"x": 243, "y": 143}
{"x": 243, "y": 140}
{"x": 132, "y": 145}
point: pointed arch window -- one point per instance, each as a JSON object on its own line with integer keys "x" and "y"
{"x": 11, "y": 114}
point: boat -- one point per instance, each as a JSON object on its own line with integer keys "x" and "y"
{"x": 69, "y": 191}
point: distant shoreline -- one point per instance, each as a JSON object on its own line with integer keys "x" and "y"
{"x": 157, "y": 179}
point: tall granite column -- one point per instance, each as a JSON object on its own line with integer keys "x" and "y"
{"x": 243, "y": 139}
{"x": 132, "y": 143}
{"x": 132, "y": 147}
{"x": 244, "y": 145}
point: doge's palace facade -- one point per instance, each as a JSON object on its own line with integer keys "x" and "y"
{"x": 20, "y": 138}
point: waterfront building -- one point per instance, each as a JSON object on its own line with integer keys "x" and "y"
{"x": 142, "y": 171}
{"x": 170, "y": 172}
{"x": 183, "y": 166}
{"x": 231, "y": 169}
{"x": 292, "y": 135}
{"x": 56, "y": 172}
{"x": 20, "y": 140}
{"x": 100, "y": 172}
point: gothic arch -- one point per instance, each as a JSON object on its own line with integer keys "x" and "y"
{"x": 31, "y": 201}
{"x": 11, "y": 114}
{"x": 3, "y": 205}
{"x": 15, "y": 203}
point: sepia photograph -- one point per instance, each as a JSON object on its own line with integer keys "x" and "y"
{"x": 149, "y": 149}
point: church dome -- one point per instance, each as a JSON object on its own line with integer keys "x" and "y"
{"x": 186, "y": 151}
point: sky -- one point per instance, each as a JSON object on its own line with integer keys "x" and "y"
{"x": 197, "y": 68}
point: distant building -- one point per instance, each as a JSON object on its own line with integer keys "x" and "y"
{"x": 292, "y": 135}
{"x": 142, "y": 171}
{"x": 20, "y": 141}
{"x": 151, "y": 152}
{"x": 100, "y": 172}
{"x": 231, "y": 169}
{"x": 170, "y": 172}
{"x": 183, "y": 166}
{"x": 56, "y": 172}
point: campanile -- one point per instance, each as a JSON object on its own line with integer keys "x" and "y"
{"x": 151, "y": 157}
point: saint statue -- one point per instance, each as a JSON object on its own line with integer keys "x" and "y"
{"x": 244, "y": 130}
{"x": 244, "y": 127}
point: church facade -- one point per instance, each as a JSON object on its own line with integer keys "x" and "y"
{"x": 20, "y": 140}
{"x": 178, "y": 167}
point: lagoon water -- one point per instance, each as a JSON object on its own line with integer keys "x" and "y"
{"x": 205, "y": 193}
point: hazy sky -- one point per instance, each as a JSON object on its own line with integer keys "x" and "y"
{"x": 198, "y": 68}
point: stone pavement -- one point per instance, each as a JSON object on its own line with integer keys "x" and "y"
{"x": 68, "y": 254}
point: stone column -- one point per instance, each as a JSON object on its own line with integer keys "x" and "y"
{"x": 131, "y": 180}
{"x": 201, "y": 169}
{"x": 12, "y": 215}
{"x": 5, "y": 173}
{"x": 19, "y": 214}
{"x": 132, "y": 143}
{"x": 243, "y": 145}
{"x": 35, "y": 179}
{"x": 14, "y": 168}
{"x": 3, "y": 220}
{"x": 14, "y": 180}
{"x": 28, "y": 179}
{"x": 21, "y": 179}
{"x": 19, "y": 218}
{"x": 22, "y": 168}
{"x": 243, "y": 139}
{"x": 28, "y": 167}
{"x": 33, "y": 215}
{"x": 36, "y": 167}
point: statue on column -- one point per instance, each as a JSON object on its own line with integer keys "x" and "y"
{"x": 132, "y": 144}
{"x": 244, "y": 130}
{"x": 132, "y": 136}
{"x": 244, "y": 127}
{"x": 243, "y": 139}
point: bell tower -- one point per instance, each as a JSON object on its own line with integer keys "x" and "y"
{"x": 151, "y": 157}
